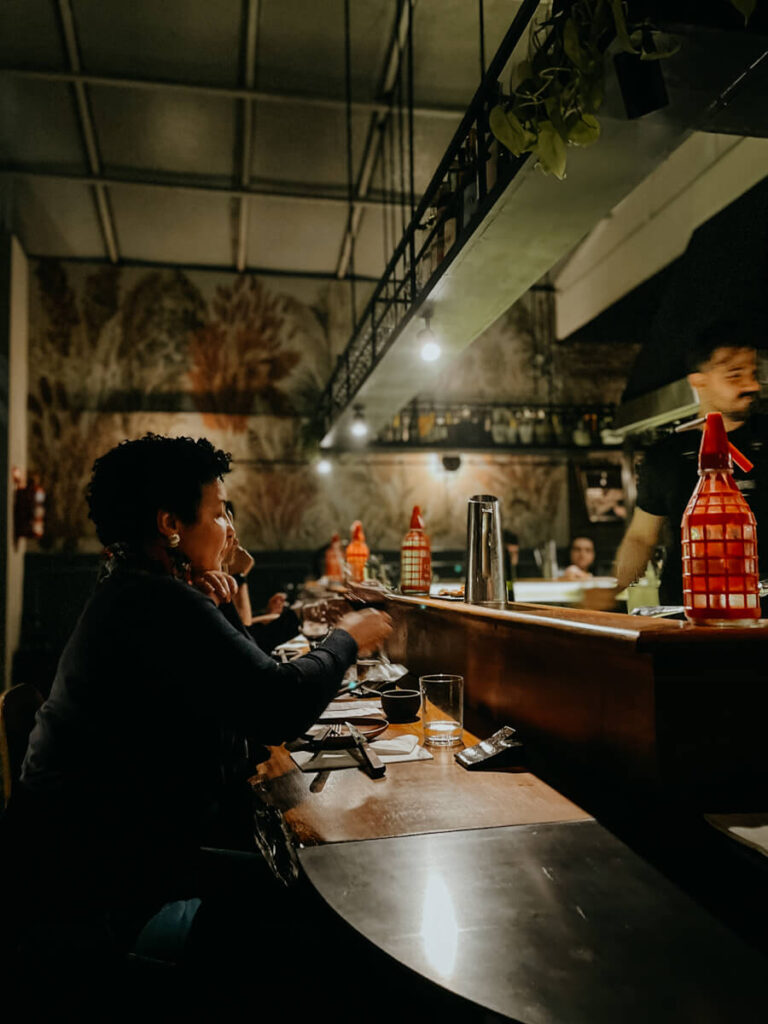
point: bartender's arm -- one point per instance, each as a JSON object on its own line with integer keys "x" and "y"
{"x": 635, "y": 550}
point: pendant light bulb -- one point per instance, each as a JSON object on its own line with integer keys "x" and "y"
{"x": 429, "y": 347}
{"x": 358, "y": 428}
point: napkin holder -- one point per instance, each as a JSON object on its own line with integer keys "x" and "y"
{"x": 502, "y": 750}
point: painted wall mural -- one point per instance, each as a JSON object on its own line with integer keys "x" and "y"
{"x": 242, "y": 359}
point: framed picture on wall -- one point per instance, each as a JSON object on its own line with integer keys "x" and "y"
{"x": 604, "y": 496}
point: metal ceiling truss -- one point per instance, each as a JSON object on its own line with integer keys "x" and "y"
{"x": 222, "y": 92}
{"x": 409, "y": 278}
{"x": 380, "y": 118}
{"x": 88, "y": 130}
{"x": 250, "y": 48}
{"x": 262, "y": 190}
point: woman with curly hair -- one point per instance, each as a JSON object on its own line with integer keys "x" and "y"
{"x": 123, "y": 781}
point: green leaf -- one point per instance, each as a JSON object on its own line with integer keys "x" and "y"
{"x": 745, "y": 7}
{"x": 585, "y": 131}
{"x": 509, "y": 131}
{"x": 554, "y": 110}
{"x": 550, "y": 150}
{"x": 617, "y": 9}
{"x": 572, "y": 46}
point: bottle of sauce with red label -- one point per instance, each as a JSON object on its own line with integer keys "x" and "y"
{"x": 719, "y": 538}
{"x": 415, "y": 557}
{"x": 357, "y": 553}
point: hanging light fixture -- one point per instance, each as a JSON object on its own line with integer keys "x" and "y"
{"x": 359, "y": 427}
{"x": 323, "y": 466}
{"x": 429, "y": 346}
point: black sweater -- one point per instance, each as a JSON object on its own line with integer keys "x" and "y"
{"x": 123, "y": 772}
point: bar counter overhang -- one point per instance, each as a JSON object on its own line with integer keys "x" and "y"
{"x": 654, "y": 703}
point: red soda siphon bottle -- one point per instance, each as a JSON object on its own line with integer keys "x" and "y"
{"x": 719, "y": 538}
{"x": 415, "y": 557}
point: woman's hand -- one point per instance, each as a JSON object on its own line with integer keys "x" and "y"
{"x": 219, "y": 586}
{"x": 276, "y": 603}
{"x": 368, "y": 628}
{"x": 239, "y": 561}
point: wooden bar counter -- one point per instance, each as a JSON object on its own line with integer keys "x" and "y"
{"x": 654, "y": 702}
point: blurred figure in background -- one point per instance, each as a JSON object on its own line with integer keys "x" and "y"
{"x": 582, "y": 555}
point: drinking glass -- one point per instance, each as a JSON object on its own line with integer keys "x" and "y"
{"x": 442, "y": 709}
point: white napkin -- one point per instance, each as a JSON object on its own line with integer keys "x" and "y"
{"x": 401, "y": 748}
{"x": 341, "y": 710}
{"x": 750, "y": 829}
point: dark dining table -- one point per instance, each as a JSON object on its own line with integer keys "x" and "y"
{"x": 503, "y": 895}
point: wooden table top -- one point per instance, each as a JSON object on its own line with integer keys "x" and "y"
{"x": 413, "y": 797}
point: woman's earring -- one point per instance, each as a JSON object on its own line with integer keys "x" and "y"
{"x": 174, "y": 540}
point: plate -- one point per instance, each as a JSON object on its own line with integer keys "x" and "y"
{"x": 369, "y": 727}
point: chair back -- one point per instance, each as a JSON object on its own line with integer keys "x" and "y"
{"x": 18, "y": 707}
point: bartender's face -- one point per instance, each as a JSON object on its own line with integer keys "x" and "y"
{"x": 728, "y": 383}
{"x": 205, "y": 541}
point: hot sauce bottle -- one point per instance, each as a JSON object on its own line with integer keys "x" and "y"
{"x": 334, "y": 559}
{"x": 357, "y": 553}
{"x": 415, "y": 557}
{"x": 719, "y": 538}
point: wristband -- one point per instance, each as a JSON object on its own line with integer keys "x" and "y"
{"x": 239, "y": 579}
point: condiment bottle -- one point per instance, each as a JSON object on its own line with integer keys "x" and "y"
{"x": 719, "y": 538}
{"x": 334, "y": 559}
{"x": 357, "y": 553}
{"x": 415, "y": 557}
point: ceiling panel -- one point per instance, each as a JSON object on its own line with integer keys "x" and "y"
{"x": 291, "y": 236}
{"x": 165, "y": 131}
{"x": 369, "y": 246}
{"x": 301, "y": 46}
{"x": 57, "y": 219}
{"x": 38, "y": 125}
{"x": 172, "y": 227}
{"x": 193, "y": 40}
{"x": 296, "y": 143}
{"x": 29, "y": 34}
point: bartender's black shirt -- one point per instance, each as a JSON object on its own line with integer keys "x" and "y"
{"x": 669, "y": 474}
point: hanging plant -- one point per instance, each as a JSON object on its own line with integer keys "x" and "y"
{"x": 555, "y": 95}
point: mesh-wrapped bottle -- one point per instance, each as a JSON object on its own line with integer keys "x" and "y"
{"x": 719, "y": 538}
{"x": 415, "y": 557}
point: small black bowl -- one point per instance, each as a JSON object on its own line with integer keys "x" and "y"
{"x": 401, "y": 705}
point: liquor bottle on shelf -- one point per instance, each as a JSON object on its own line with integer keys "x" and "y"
{"x": 415, "y": 557}
{"x": 719, "y": 538}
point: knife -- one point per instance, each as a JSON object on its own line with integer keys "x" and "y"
{"x": 376, "y": 767}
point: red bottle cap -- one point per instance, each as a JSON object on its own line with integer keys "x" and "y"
{"x": 716, "y": 451}
{"x": 417, "y": 520}
{"x": 357, "y": 531}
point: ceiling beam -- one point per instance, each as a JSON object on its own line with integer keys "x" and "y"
{"x": 250, "y": 48}
{"x": 255, "y": 190}
{"x": 222, "y": 92}
{"x": 375, "y": 134}
{"x": 88, "y": 130}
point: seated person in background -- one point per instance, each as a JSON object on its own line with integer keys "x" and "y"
{"x": 511, "y": 554}
{"x": 582, "y": 557}
{"x": 280, "y": 622}
{"x": 122, "y": 781}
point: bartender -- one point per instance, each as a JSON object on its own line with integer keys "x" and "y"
{"x": 722, "y": 369}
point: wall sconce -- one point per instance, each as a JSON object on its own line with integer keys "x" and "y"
{"x": 429, "y": 347}
{"x": 451, "y": 462}
{"x": 359, "y": 427}
{"x": 323, "y": 466}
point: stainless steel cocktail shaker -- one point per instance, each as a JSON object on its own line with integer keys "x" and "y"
{"x": 485, "y": 583}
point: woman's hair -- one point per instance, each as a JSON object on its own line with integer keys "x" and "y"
{"x": 134, "y": 480}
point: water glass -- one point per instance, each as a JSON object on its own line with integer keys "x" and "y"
{"x": 442, "y": 709}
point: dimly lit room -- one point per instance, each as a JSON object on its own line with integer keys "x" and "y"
{"x": 383, "y": 383}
